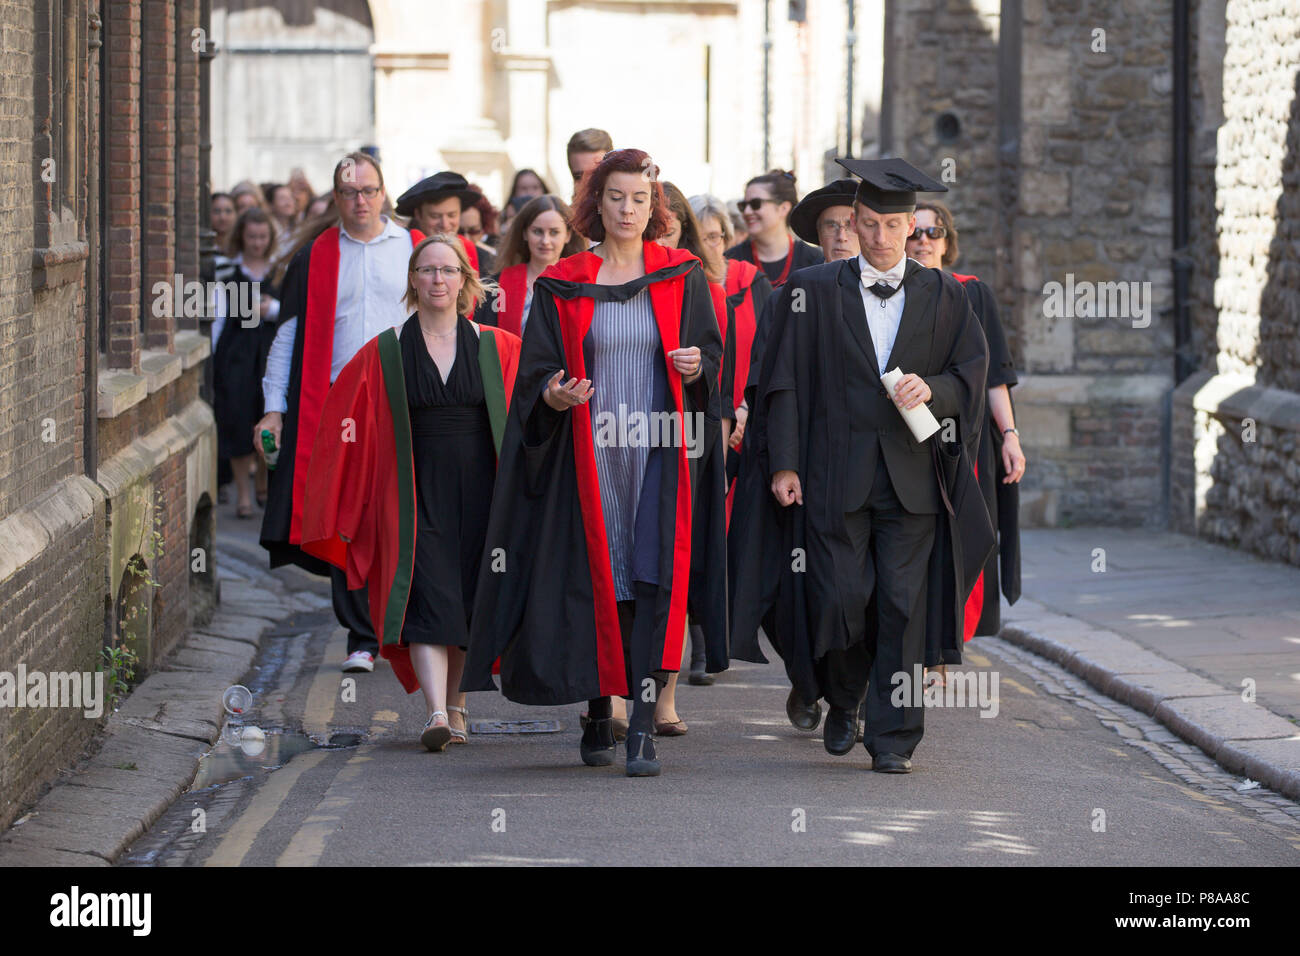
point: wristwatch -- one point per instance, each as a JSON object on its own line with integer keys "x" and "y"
{"x": 1013, "y": 430}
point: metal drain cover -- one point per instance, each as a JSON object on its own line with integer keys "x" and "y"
{"x": 515, "y": 727}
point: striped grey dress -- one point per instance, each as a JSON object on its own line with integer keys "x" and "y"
{"x": 625, "y": 345}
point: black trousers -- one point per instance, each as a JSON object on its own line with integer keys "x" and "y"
{"x": 352, "y": 608}
{"x": 892, "y": 547}
{"x": 636, "y": 619}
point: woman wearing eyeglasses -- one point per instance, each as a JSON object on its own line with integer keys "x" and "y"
{"x": 748, "y": 290}
{"x": 708, "y": 610}
{"x": 401, "y": 476}
{"x": 1000, "y": 463}
{"x": 592, "y": 516}
{"x": 770, "y": 245}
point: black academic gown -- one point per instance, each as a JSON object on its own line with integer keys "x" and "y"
{"x": 804, "y": 255}
{"x": 1002, "y": 500}
{"x": 538, "y": 606}
{"x": 278, "y": 516}
{"x": 806, "y": 607}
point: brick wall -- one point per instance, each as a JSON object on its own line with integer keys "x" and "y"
{"x": 158, "y": 160}
{"x": 53, "y": 619}
{"x": 122, "y": 230}
{"x": 17, "y": 334}
{"x": 186, "y": 127}
{"x": 64, "y": 537}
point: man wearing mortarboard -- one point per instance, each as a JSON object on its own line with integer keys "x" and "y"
{"x": 862, "y": 547}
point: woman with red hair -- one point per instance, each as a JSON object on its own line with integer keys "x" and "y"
{"x": 585, "y": 573}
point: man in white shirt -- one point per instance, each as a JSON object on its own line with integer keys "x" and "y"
{"x": 339, "y": 292}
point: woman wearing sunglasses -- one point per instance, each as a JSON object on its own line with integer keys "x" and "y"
{"x": 770, "y": 245}
{"x": 1000, "y": 463}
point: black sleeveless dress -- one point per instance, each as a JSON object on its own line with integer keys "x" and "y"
{"x": 455, "y": 467}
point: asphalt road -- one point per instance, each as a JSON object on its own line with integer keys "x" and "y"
{"x": 1061, "y": 775}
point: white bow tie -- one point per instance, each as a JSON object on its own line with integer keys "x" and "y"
{"x": 892, "y": 278}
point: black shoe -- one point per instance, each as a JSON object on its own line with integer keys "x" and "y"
{"x": 699, "y": 676}
{"x": 841, "y": 731}
{"x": 641, "y": 760}
{"x": 597, "y": 746}
{"x": 804, "y": 716}
{"x": 891, "y": 763}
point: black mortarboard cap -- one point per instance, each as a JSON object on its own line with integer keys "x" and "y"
{"x": 890, "y": 185}
{"x": 803, "y": 217}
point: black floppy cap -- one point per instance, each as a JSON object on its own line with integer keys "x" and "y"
{"x": 432, "y": 188}
{"x": 803, "y": 217}
{"x": 890, "y": 185}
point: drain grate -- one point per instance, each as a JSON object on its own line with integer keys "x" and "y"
{"x": 515, "y": 727}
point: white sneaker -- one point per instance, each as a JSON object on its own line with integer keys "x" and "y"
{"x": 359, "y": 661}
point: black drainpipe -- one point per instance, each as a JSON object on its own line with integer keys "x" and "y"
{"x": 1182, "y": 263}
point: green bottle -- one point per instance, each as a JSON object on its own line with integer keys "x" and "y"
{"x": 270, "y": 448}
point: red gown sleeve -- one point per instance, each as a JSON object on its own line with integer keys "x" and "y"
{"x": 339, "y": 519}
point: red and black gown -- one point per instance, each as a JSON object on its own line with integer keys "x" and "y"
{"x": 455, "y": 465}
{"x": 778, "y": 271}
{"x": 546, "y": 603}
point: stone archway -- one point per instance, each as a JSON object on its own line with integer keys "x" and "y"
{"x": 292, "y": 86}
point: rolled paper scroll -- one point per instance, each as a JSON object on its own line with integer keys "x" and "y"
{"x": 920, "y": 419}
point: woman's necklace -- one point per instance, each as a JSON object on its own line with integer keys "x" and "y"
{"x": 438, "y": 335}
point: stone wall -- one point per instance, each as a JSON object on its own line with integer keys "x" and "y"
{"x": 1236, "y": 424}
{"x": 1095, "y": 216}
{"x": 944, "y": 60}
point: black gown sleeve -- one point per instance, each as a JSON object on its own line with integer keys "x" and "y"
{"x": 540, "y": 357}
{"x": 959, "y": 391}
{"x": 780, "y": 390}
{"x": 1001, "y": 369}
{"x": 806, "y": 254}
{"x": 764, "y": 298}
{"x": 700, "y": 329}
{"x": 727, "y": 386}
{"x": 293, "y": 292}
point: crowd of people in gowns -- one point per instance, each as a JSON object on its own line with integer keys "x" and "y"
{"x": 440, "y": 392}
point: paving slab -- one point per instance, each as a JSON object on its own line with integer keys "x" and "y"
{"x": 151, "y": 745}
{"x": 1172, "y": 627}
{"x": 235, "y": 627}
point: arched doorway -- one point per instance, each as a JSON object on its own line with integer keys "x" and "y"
{"x": 292, "y": 85}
